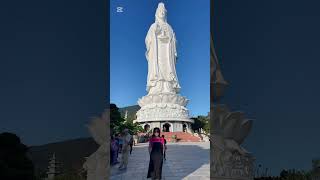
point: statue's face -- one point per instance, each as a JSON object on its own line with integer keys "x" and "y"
{"x": 161, "y": 13}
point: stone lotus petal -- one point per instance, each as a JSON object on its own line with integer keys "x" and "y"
{"x": 228, "y": 127}
{"x": 175, "y": 99}
{"x": 244, "y": 130}
{"x": 172, "y": 106}
{"x": 232, "y": 125}
{"x": 219, "y": 114}
{"x": 166, "y": 98}
{"x": 156, "y": 99}
{"x": 238, "y": 116}
{"x": 181, "y": 100}
{"x": 163, "y": 98}
{"x": 97, "y": 162}
{"x": 236, "y": 126}
{"x": 185, "y": 102}
{"x": 97, "y": 130}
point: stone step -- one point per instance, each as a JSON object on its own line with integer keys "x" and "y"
{"x": 181, "y": 136}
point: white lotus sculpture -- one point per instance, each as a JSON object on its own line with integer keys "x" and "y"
{"x": 229, "y": 131}
{"x": 97, "y": 164}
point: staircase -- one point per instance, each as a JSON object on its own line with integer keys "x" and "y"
{"x": 181, "y": 137}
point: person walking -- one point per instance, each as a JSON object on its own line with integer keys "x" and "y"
{"x": 125, "y": 149}
{"x": 156, "y": 150}
{"x": 131, "y": 144}
{"x": 118, "y": 144}
{"x": 165, "y": 147}
{"x": 120, "y": 139}
{"x": 114, "y": 150}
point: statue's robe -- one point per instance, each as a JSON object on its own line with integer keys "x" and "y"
{"x": 161, "y": 58}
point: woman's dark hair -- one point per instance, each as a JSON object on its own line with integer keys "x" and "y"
{"x": 156, "y": 130}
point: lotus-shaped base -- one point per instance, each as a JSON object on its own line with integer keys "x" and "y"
{"x": 163, "y": 107}
{"x": 165, "y": 98}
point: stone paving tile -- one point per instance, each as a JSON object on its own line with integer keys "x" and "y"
{"x": 184, "y": 161}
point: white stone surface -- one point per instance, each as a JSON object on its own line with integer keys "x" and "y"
{"x": 162, "y": 103}
{"x": 184, "y": 161}
{"x": 230, "y": 161}
{"x": 229, "y": 158}
{"x": 174, "y": 126}
{"x": 161, "y": 55}
{"x": 97, "y": 163}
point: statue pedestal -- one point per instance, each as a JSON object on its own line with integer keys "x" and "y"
{"x": 158, "y": 110}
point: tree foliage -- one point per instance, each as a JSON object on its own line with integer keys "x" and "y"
{"x": 118, "y": 124}
{"x": 293, "y": 174}
{"x": 14, "y": 161}
{"x": 201, "y": 122}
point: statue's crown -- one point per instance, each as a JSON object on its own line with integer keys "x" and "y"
{"x": 161, "y": 5}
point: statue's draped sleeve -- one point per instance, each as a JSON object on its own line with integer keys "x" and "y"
{"x": 175, "y": 47}
{"x": 151, "y": 55}
{"x": 148, "y": 42}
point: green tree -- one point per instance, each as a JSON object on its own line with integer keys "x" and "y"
{"x": 133, "y": 128}
{"x": 197, "y": 125}
{"x": 294, "y": 174}
{"x": 118, "y": 124}
{"x": 14, "y": 161}
{"x": 201, "y": 122}
{"x": 205, "y": 122}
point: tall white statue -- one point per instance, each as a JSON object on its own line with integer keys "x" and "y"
{"x": 163, "y": 106}
{"x": 161, "y": 55}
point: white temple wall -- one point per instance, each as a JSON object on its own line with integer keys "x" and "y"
{"x": 175, "y": 126}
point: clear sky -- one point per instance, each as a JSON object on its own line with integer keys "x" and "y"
{"x": 270, "y": 56}
{"x": 190, "y": 19}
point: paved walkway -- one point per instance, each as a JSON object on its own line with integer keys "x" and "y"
{"x": 188, "y": 161}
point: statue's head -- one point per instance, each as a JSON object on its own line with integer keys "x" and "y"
{"x": 161, "y": 12}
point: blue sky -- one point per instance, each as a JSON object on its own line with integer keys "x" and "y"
{"x": 128, "y": 66}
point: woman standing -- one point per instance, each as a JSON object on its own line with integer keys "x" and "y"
{"x": 156, "y": 150}
{"x": 114, "y": 150}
